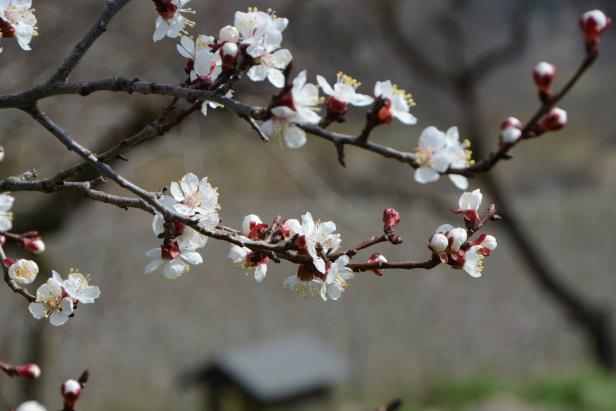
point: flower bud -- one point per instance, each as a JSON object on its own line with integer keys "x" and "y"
{"x": 377, "y": 258}
{"x": 31, "y": 406}
{"x": 230, "y": 50}
{"x": 543, "y": 74}
{"x": 1, "y": 154}
{"x": 593, "y": 23}
{"x": 34, "y": 244}
{"x": 28, "y": 371}
{"x": 71, "y": 390}
{"x": 391, "y": 218}
{"x": 439, "y": 243}
{"x": 249, "y": 222}
{"x": 229, "y": 33}
{"x": 489, "y": 242}
{"x": 458, "y": 236}
{"x": 554, "y": 120}
{"x": 23, "y": 271}
{"x": 511, "y": 130}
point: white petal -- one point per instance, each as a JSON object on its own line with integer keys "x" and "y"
{"x": 260, "y": 272}
{"x": 58, "y": 319}
{"x": 176, "y": 192}
{"x": 294, "y": 137}
{"x": 432, "y": 138}
{"x": 37, "y": 310}
{"x": 276, "y": 78}
{"x": 424, "y": 175}
{"x": 294, "y": 225}
{"x": 174, "y": 269}
{"x": 361, "y": 100}
{"x": 192, "y": 257}
{"x": 405, "y": 117}
{"x": 153, "y": 265}
{"x": 327, "y": 89}
{"x": 459, "y": 181}
{"x": 258, "y": 73}
{"x": 89, "y": 294}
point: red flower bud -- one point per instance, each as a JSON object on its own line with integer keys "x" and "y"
{"x": 593, "y": 23}
{"x": 71, "y": 390}
{"x": 391, "y": 218}
{"x": 384, "y": 115}
{"x": 554, "y": 120}
{"x": 543, "y": 74}
{"x": 28, "y": 371}
{"x": 34, "y": 244}
{"x": 377, "y": 258}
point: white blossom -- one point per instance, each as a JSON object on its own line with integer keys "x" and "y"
{"x": 437, "y": 152}
{"x": 397, "y": 103}
{"x": 78, "y": 288}
{"x": 196, "y": 198}
{"x": 171, "y": 23}
{"x": 336, "y": 281}
{"x": 6, "y": 215}
{"x": 271, "y": 66}
{"x": 243, "y": 256}
{"x": 260, "y": 31}
{"x": 51, "y": 303}
{"x": 23, "y": 271}
{"x": 315, "y": 237}
{"x": 207, "y": 65}
{"x": 300, "y": 106}
{"x": 19, "y": 16}
{"x": 345, "y": 90}
{"x": 174, "y": 258}
{"x": 470, "y": 201}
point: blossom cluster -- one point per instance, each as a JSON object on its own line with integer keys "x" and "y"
{"x": 192, "y": 198}
{"x": 452, "y": 244}
{"x": 57, "y": 298}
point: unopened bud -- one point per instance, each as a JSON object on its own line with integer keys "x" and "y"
{"x": 543, "y": 74}
{"x": 1, "y": 154}
{"x": 377, "y": 258}
{"x": 249, "y": 222}
{"x": 229, "y": 33}
{"x": 511, "y": 130}
{"x": 391, "y": 217}
{"x": 35, "y": 245}
{"x": 489, "y": 242}
{"x": 458, "y": 236}
{"x": 439, "y": 243}
{"x": 593, "y": 23}
{"x": 554, "y": 120}
{"x": 71, "y": 390}
{"x": 29, "y": 371}
{"x": 230, "y": 50}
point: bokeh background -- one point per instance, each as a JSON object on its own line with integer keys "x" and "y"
{"x": 439, "y": 339}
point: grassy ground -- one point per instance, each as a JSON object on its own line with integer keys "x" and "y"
{"x": 585, "y": 391}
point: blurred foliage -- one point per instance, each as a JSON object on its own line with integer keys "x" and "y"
{"x": 581, "y": 391}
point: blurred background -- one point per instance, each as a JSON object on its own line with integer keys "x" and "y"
{"x": 534, "y": 333}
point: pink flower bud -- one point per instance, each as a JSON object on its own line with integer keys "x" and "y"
{"x": 377, "y": 258}
{"x": 28, "y": 371}
{"x": 554, "y": 120}
{"x": 511, "y": 130}
{"x": 593, "y": 23}
{"x": 543, "y": 74}
{"x": 391, "y": 217}
{"x": 35, "y": 245}
{"x": 511, "y": 122}
{"x": 71, "y": 390}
